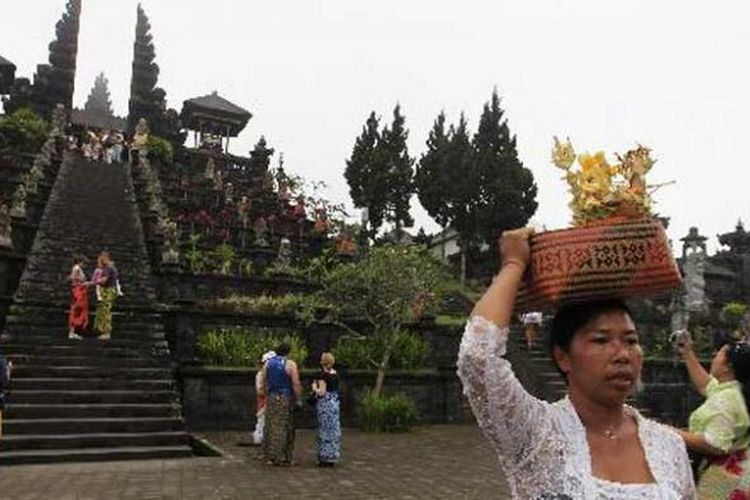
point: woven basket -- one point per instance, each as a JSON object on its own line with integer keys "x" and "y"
{"x": 612, "y": 259}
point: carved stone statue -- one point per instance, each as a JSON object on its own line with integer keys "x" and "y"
{"x": 229, "y": 194}
{"x": 268, "y": 181}
{"x": 260, "y": 227}
{"x": 19, "y": 202}
{"x": 5, "y": 229}
{"x": 140, "y": 137}
{"x": 219, "y": 181}
{"x": 171, "y": 253}
{"x": 58, "y": 121}
{"x": 695, "y": 282}
{"x": 210, "y": 173}
{"x": 31, "y": 182}
{"x": 243, "y": 211}
{"x": 37, "y": 172}
{"x": 285, "y": 253}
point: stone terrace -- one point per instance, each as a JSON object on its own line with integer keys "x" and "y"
{"x": 438, "y": 462}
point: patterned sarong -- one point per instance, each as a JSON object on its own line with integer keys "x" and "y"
{"x": 278, "y": 441}
{"x": 726, "y": 478}
{"x": 78, "y": 316}
{"x": 329, "y": 428}
{"x": 103, "y": 319}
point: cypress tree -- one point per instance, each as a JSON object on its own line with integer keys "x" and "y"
{"x": 505, "y": 189}
{"x": 398, "y": 172}
{"x": 99, "y": 100}
{"x": 362, "y": 171}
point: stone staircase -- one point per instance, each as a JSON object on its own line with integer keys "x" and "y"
{"x": 89, "y": 400}
{"x": 534, "y": 367}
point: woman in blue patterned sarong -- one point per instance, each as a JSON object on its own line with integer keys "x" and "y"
{"x": 326, "y": 389}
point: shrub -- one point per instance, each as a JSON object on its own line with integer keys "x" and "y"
{"x": 304, "y": 308}
{"x": 244, "y": 347}
{"x": 410, "y": 351}
{"x": 160, "y": 149}
{"x": 396, "y": 413}
{"x": 24, "y": 130}
{"x": 222, "y": 258}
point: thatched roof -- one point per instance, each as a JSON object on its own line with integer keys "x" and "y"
{"x": 212, "y": 113}
{"x": 97, "y": 120}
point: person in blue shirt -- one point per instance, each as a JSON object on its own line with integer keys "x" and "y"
{"x": 281, "y": 383}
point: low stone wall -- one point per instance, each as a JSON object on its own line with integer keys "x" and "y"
{"x": 224, "y": 398}
{"x": 667, "y": 392}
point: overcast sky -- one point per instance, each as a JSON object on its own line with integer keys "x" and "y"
{"x": 672, "y": 75}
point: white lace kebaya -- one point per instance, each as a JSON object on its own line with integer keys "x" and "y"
{"x": 542, "y": 446}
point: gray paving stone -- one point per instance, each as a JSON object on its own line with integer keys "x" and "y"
{"x": 437, "y": 462}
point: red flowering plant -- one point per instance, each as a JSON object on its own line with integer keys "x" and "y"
{"x": 739, "y": 495}
{"x": 732, "y": 462}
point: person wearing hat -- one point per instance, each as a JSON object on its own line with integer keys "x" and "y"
{"x": 260, "y": 400}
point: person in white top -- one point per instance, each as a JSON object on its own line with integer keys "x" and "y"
{"x": 590, "y": 445}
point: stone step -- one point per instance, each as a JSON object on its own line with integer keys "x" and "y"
{"x": 118, "y": 333}
{"x": 92, "y": 384}
{"x": 41, "y": 371}
{"x": 90, "y": 397}
{"x": 70, "y": 348}
{"x": 93, "y": 425}
{"x": 102, "y": 440}
{"x": 94, "y": 454}
{"x": 76, "y": 411}
{"x": 58, "y": 339}
{"x": 89, "y": 360}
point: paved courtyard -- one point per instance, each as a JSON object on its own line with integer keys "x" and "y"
{"x": 437, "y": 462}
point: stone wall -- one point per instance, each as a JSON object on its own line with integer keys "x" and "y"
{"x": 216, "y": 398}
{"x": 221, "y": 398}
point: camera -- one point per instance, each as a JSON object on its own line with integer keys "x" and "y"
{"x": 678, "y": 337}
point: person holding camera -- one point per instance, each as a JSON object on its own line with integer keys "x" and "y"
{"x": 718, "y": 429}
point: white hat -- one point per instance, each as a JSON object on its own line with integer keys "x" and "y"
{"x": 267, "y": 356}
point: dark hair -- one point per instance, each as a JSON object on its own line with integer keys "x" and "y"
{"x": 572, "y": 317}
{"x": 283, "y": 349}
{"x": 78, "y": 258}
{"x": 739, "y": 360}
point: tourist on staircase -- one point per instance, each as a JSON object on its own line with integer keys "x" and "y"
{"x": 719, "y": 427}
{"x": 107, "y": 280}
{"x": 282, "y": 387}
{"x": 590, "y": 444}
{"x": 78, "y": 316}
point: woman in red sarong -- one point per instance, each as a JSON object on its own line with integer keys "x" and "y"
{"x": 78, "y": 316}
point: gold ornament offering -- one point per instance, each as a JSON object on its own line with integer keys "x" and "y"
{"x": 617, "y": 247}
{"x": 602, "y": 190}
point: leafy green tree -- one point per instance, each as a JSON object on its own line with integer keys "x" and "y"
{"x": 391, "y": 286}
{"x": 430, "y": 178}
{"x": 446, "y": 184}
{"x": 505, "y": 196}
{"x": 478, "y": 187}
{"x": 24, "y": 131}
{"x": 380, "y": 173}
{"x": 362, "y": 172}
{"x": 398, "y": 172}
{"x": 98, "y": 100}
